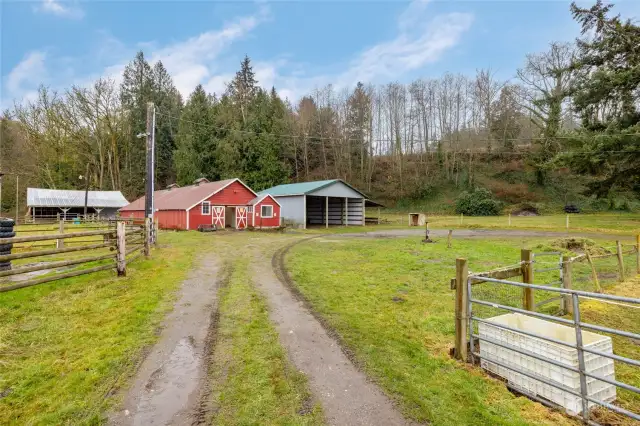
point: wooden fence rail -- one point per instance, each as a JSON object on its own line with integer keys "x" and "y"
{"x": 125, "y": 237}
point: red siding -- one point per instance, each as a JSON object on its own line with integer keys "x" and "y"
{"x": 236, "y": 194}
{"x": 138, "y": 214}
{"x": 172, "y": 219}
{"x": 271, "y": 222}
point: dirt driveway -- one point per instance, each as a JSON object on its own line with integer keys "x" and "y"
{"x": 481, "y": 233}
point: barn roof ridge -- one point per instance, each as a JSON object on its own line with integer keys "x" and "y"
{"x": 185, "y": 197}
{"x": 304, "y": 188}
{"x": 44, "y": 197}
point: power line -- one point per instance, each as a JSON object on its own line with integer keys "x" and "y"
{"x": 418, "y": 141}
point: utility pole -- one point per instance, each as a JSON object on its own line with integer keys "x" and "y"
{"x": 86, "y": 191}
{"x": 148, "y": 200}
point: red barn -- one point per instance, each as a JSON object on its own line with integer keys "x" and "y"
{"x": 266, "y": 212}
{"x": 227, "y": 203}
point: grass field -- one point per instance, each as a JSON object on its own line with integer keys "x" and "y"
{"x": 68, "y": 346}
{"x": 252, "y": 379}
{"x": 609, "y": 223}
{"x": 389, "y": 300}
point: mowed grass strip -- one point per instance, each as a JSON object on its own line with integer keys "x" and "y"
{"x": 252, "y": 381}
{"x": 67, "y": 347}
{"x": 389, "y": 300}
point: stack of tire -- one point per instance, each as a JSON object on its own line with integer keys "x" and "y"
{"x": 6, "y": 231}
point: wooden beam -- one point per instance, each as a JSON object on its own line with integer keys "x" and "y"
{"x": 28, "y": 254}
{"x": 594, "y": 274}
{"x": 620, "y": 261}
{"x": 461, "y": 310}
{"x": 55, "y": 278}
{"x": 54, "y": 265}
{"x": 15, "y": 240}
{"x": 526, "y": 256}
{"x": 567, "y": 278}
{"x": 326, "y": 212}
{"x": 502, "y": 274}
{"x": 121, "y": 263}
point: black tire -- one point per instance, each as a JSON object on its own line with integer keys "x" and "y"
{"x": 7, "y": 234}
{"x": 5, "y": 222}
{"x": 2, "y": 253}
{"x": 6, "y": 247}
{"x": 5, "y": 267}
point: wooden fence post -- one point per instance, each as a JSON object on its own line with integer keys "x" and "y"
{"x": 60, "y": 243}
{"x": 594, "y": 274}
{"x": 620, "y": 261}
{"x": 462, "y": 309}
{"x": 567, "y": 222}
{"x": 567, "y": 267}
{"x": 449, "y": 238}
{"x": 638, "y": 254}
{"x": 121, "y": 261}
{"x": 147, "y": 236}
{"x": 527, "y": 277}
{"x": 156, "y": 227}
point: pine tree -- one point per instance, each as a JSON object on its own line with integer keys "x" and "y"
{"x": 607, "y": 98}
{"x": 243, "y": 87}
{"x": 196, "y": 142}
{"x": 136, "y": 90}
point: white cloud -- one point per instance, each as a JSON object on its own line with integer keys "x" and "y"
{"x": 58, "y": 8}
{"x": 192, "y": 61}
{"x": 29, "y": 73}
{"x": 420, "y": 39}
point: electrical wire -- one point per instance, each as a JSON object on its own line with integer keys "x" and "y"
{"x": 422, "y": 141}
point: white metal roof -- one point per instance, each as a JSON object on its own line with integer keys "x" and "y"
{"x": 39, "y": 197}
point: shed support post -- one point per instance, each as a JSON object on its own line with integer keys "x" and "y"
{"x": 364, "y": 216}
{"x": 461, "y": 309}
{"x": 304, "y": 212}
{"x": 378, "y": 215}
{"x": 326, "y": 212}
{"x": 346, "y": 211}
{"x": 526, "y": 256}
{"x": 638, "y": 254}
{"x": 121, "y": 261}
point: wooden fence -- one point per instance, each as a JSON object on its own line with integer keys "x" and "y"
{"x": 525, "y": 271}
{"x": 103, "y": 246}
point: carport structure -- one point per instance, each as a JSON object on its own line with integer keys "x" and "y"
{"x": 326, "y": 202}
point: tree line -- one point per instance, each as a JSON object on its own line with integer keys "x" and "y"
{"x": 574, "y": 106}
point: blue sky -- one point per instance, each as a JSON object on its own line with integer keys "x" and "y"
{"x": 294, "y": 45}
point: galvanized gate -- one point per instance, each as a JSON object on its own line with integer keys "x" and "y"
{"x": 525, "y": 356}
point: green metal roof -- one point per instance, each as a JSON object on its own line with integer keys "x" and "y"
{"x": 298, "y": 188}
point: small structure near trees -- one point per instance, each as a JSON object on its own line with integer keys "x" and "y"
{"x": 47, "y": 204}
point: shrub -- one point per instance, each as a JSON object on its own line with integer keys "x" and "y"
{"x": 479, "y": 202}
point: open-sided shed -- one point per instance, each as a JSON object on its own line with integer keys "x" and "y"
{"x": 49, "y": 203}
{"x": 326, "y": 202}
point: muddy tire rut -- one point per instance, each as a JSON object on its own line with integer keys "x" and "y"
{"x": 170, "y": 387}
{"x": 347, "y": 396}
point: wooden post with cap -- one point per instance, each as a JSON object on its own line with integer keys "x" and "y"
{"x": 461, "y": 309}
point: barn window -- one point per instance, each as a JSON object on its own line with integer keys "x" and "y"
{"x": 250, "y": 209}
{"x": 266, "y": 211}
{"x": 206, "y": 208}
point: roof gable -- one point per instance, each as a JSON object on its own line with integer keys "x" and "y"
{"x": 259, "y": 199}
{"x": 183, "y": 198}
{"x": 304, "y": 188}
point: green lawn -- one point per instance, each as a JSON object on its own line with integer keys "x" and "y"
{"x": 389, "y": 300}
{"x": 609, "y": 223}
{"x": 252, "y": 379}
{"x": 66, "y": 347}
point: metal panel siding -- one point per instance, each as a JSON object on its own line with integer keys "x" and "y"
{"x": 172, "y": 219}
{"x": 337, "y": 189}
{"x": 235, "y": 194}
{"x": 292, "y": 209}
{"x": 272, "y": 222}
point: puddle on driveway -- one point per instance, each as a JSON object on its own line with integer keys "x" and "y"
{"x": 169, "y": 387}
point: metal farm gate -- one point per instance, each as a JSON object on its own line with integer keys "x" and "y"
{"x": 520, "y": 355}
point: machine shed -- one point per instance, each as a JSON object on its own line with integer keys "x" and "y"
{"x": 321, "y": 203}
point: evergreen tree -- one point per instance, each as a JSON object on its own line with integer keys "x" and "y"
{"x": 168, "y": 101}
{"x": 136, "y": 90}
{"x": 243, "y": 87}
{"x": 607, "y": 97}
{"x": 196, "y": 144}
